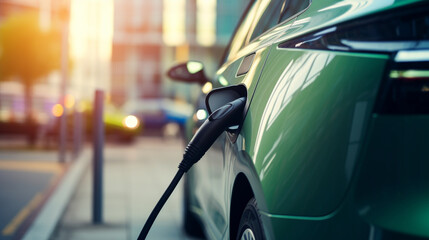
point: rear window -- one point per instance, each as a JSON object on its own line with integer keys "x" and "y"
{"x": 241, "y": 32}
{"x": 267, "y": 17}
{"x": 290, "y": 8}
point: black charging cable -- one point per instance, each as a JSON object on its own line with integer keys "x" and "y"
{"x": 226, "y": 116}
{"x": 160, "y": 204}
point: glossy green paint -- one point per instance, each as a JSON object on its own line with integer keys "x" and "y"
{"x": 229, "y": 72}
{"x": 305, "y": 130}
{"x": 344, "y": 223}
{"x": 393, "y": 185}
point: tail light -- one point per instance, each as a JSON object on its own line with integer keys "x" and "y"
{"x": 406, "y": 90}
{"x": 402, "y": 33}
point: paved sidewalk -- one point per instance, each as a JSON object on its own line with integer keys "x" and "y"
{"x": 135, "y": 176}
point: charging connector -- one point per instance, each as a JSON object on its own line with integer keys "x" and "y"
{"x": 230, "y": 114}
{"x": 224, "y": 117}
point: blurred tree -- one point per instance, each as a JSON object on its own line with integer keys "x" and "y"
{"x": 28, "y": 53}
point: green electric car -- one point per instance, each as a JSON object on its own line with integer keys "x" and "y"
{"x": 334, "y": 143}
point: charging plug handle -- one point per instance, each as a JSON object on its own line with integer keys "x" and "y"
{"x": 224, "y": 117}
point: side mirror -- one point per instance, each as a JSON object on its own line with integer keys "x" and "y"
{"x": 190, "y": 72}
{"x": 221, "y": 96}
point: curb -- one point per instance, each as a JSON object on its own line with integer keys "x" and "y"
{"x": 47, "y": 219}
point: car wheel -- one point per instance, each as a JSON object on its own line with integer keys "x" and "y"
{"x": 191, "y": 224}
{"x": 250, "y": 227}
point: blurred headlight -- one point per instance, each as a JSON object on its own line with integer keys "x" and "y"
{"x": 201, "y": 114}
{"x": 207, "y": 87}
{"x": 57, "y": 110}
{"x": 131, "y": 122}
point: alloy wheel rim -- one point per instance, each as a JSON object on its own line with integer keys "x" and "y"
{"x": 247, "y": 235}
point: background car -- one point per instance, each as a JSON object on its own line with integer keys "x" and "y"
{"x": 334, "y": 141}
{"x": 160, "y": 115}
{"x": 118, "y": 126}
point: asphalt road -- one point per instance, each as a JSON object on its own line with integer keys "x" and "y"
{"x": 26, "y": 179}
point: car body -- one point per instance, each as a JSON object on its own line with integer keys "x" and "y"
{"x": 334, "y": 140}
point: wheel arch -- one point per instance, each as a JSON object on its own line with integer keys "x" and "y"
{"x": 242, "y": 192}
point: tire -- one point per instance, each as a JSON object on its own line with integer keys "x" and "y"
{"x": 250, "y": 227}
{"x": 191, "y": 223}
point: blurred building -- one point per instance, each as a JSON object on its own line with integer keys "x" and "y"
{"x": 90, "y": 36}
{"x": 136, "y": 52}
{"x": 150, "y": 36}
{"x": 8, "y": 7}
